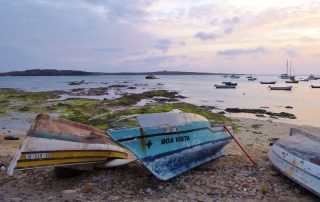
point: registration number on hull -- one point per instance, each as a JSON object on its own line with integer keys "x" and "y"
{"x": 38, "y": 156}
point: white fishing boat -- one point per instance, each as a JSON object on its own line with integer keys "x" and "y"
{"x": 298, "y": 157}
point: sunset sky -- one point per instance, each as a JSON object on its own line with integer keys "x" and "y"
{"x": 252, "y": 36}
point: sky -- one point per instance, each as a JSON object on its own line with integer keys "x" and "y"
{"x": 233, "y": 36}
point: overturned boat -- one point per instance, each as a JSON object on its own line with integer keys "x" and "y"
{"x": 61, "y": 143}
{"x": 298, "y": 157}
{"x": 171, "y": 143}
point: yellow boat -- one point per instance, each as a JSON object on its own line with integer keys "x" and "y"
{"x": 54, "y": 142}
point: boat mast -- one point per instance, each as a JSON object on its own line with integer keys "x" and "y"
{"x": 287, "y": 67}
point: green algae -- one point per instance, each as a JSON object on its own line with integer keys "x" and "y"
{"x": 256, "y": 126}
{"x": 99, "y": 113}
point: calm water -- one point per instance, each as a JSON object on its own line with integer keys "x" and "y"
{"x": 199, "y": 90}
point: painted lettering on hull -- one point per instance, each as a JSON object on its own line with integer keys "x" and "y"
{"x": 176, "y": 139}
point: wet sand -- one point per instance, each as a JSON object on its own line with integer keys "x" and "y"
{"x": 229, "y": 178}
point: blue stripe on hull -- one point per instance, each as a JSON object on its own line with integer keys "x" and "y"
{"x": 167, "y": 155}
{"x": 172, "y": 164}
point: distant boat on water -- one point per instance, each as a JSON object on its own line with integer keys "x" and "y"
{"x": 252, "y": 79}
{"x": 288, "y": 74}
{"x": 268, "y": 82}
{"x": 312, "y": 77}
{"x": 229, "y": 83}
{"x": 234, "y": 76}
{"x": 312, "y": 86}
{"x": 151, "y": 76}
{"x": 280, "y": 87}
{"x": 225, "y": 86}
{"x": 292, "y": 81}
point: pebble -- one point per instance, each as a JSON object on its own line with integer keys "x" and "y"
{"x": 69, "y": 195}
{"x": 16, "y": 200}
{"x": 87, "y": 188}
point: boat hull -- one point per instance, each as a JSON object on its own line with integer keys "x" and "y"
{"x": 168, "y": 154}
{"x": 273, "y": 82}
{"x": 297, "y": 157}
{"x": 225, "y": 86}
{"x": 281, "y": 88}
{"x": 57, "y": 143}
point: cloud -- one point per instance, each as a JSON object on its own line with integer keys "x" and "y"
{"x": 206, "y": 36}
{"x": 231, "y": 21}
{"x": 237, "y": 52}
{"x": 291, "y": 51}
{"x": 163, "y": 45}
{"x": 109, "y": 50}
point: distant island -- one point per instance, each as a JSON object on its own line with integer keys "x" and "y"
{"x": 55, "y": 72}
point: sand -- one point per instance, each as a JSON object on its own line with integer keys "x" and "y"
{"x": 229, "y": 178}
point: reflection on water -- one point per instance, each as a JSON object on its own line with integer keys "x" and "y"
{"x": 200, "y": 91}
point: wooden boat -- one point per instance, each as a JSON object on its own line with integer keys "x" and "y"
{"x": 252, "y": 79}
{"x": 268, "y": 82}
{"x": 225, "y": 86}
{"x": 280, "y": 87}
{"x": 304, "y": 79}
{"x": 312, "y": 86}
{"x": 298, "y": 157}
{"x": 228, "y": 83}
{"x": 59, "y": 143}
{"x": 171, "y": 143}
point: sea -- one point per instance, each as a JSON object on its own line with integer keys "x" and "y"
{"x": 303, "y": 101}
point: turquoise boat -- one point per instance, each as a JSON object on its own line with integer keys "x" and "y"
{"x": 171, "y": 143}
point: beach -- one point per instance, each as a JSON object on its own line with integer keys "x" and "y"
{"x": 228, "y": 178}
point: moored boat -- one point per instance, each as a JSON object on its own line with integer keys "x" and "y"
{"x": 171, "y": 143}
{"x": 54, "y": 142}
{"x": 292, "y": 81}
{"x": 268, "y": 82}
{"x": 280, "y": 87}
{"x": 313, "y": 86}
{"x": 298, "y": 157}
{"x": 252, "y": 79}
{"x": 225, "y": 86}
{"x": 234, "y": 76}
{"x": 151, "y": 76}
{"x": 228, "y": 83}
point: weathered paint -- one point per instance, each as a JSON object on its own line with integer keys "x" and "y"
{"x": 294, "y": 155}
{"x": 168, "y": 153}
{"x": 52, "y": 152}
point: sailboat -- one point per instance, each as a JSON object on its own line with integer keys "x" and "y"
{"x": 286, "y": 75}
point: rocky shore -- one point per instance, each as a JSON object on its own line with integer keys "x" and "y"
{"x": 229, "y": 178}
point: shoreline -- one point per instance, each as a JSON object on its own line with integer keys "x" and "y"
{"x": 228, "y": 178}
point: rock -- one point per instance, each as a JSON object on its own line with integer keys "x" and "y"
{"x": 24, "y": 109}
{"x": 3, "y": 168}
{"x": 16, "y": 199}
{"x": 69, "y": 195}
{"x": 50, "y": 198}
{"x": 113, "y": 198}
{"x": 87, "y": 188}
